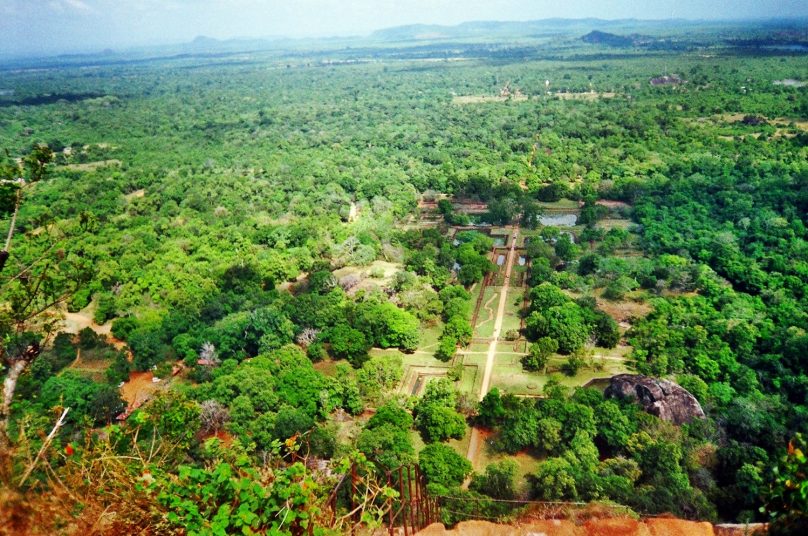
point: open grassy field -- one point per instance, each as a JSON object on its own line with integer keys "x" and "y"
{"x": 561, "y": 204}
{"x": 473, "y": 365}
{"x": 487, "y": 99}
{"x": 615, "y": 223}
{"x": 510, "y": 377}
{"x": 484, "y": 327}
{"x": 382, "y": 269}
{"x": 526, "y": 460}
{"x": 513, "y": 307}
{"x": 94, "y": 369}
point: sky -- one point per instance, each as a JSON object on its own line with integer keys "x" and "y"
{"x": 58, "y": 26}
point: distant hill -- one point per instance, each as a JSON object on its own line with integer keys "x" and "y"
{"x": 494, "y": 29}
{"x": 204, "y": 41}
{"x": 597, "y": 37}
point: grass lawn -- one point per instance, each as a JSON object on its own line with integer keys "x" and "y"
{"x": 475, "y": 292}
{"x": 473, "y": 367}
{"x": 561, "y": 204}
{"x": 478, "y": 347}
{"x": 348, "y": 427}
{"x": 513, "y": 305}
{"x": 429, "y": 337}
{"x": 328, "y": 366}
{"x": 388, "y": 269}
{"x": 528, "y": 462}
{"x": 469, "y": 380}
{"x": 94, "y": 369}
{"x": 614, "y": 223}
{"x": 510, "y": 377}
{"x": 488, "y": 313}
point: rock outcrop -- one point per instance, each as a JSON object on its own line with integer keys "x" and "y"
{"x": 663, "y": 398}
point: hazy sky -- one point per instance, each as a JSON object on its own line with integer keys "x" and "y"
{"x": 37, "y": 26}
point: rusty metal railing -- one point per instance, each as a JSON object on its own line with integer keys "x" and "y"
{"x": 411, "y": 509}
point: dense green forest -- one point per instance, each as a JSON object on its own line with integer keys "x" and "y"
{"x": 256, "y": 232}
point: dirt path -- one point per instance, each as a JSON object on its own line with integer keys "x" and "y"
{"x": 75, "y": 322}
{"x": 474, "y": 441}
{"x": 503, "y": 297}
{"x": 487, "y": 307}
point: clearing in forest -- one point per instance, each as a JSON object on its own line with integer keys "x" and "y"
{"x": 585, "y": 96}
{"x": 92, "y": 166}
{"x": 487, "y": 99}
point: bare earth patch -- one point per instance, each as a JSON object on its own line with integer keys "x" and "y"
{"x": 92, "y": 166}
{"x": 603, "y": 526}
{"x": 136, "y": 194}
{"x": 483, "y": 99}
{"x": 614, "y": 223}
{"x": 612, "y": 204}
{"x": 587, "y": 96}
{"x": 386, "y": 269}
{"x": 139, "y": 388}
{"x": 623, "y": 311}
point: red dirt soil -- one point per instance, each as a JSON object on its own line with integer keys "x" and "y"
{"x": 593, "y": 527}
{"x": 138, "y": 389}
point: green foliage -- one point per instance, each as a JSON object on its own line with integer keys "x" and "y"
{"x": 123, "y": 327}
{"x": 291, "y": 421}
{"x": 605, "y": 331}
{"x": 316, "y": 352}
{"x": 378, "y": 374}
{"x": 119, "y": 369}
{"x": 546, "y": 295}
{"x": 575, "y": 362}
{"x": 442, "y": 465}
{"x": 548, "y": 434}
{"x": 565, "y": 249}
{"x": 391, "y": 413}
{"x": 348, "y": 343}
{"x": 555, "y": 480}
{"x": 564, "y": 323}
{"x": 447, "y": 348}
{"x": 386, "y": 445}
{"x": 787, "y": 498}
{"x": 206, "y": 214}
{"x": 385, "y": 439}
{"x": 88, "y": 339}
{"x": 491, "y": 409}
{"x": 459, "y": 329}
{"x": 175, "y": 417}
{"x": 387, "y": 326}
{"x": 105, "y": 308}
{"x": 471, "y": 255}
{"x": 227, "y": 498}
{"x": 62, "y": 354}
{"x": 498, "y": 481}
{"x": 539, "y": 354}
{"x": 439, "y": 423}
{"x": 614, "y": 427}
{"x": 436, "y": 417}
{"x": 147, "y": 348}
{"x": 86, "y": 399}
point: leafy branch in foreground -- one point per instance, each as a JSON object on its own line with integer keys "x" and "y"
{"x": 787, "y": 501}
{"x": 42, "y": 278}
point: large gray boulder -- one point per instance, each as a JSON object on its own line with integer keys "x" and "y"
{"x": 663, "y": 398}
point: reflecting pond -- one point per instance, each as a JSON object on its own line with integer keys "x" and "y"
{"x": 559, "y": 220}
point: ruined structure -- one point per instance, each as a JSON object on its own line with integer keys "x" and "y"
{"x": 663, "y": 398}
